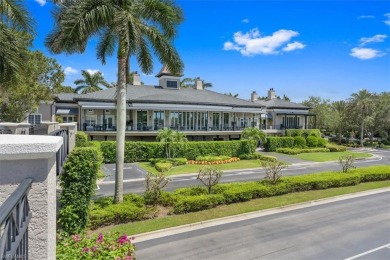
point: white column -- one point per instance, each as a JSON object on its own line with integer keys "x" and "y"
{"x": 26, "y": 156}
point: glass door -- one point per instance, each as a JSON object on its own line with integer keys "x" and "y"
{"x": 158, "y": 120}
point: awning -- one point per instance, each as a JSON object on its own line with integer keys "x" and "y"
{"x": 67, "y": 111}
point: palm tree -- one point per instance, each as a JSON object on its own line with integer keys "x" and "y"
{"x": 362, "y": 101}
{"x": 340, "y": 109}
{"x": 14, "y": 19}
{"x": 91, "y": 82}
{"x": 254, "y": 134}
{"x": 231, "y": 95}
{"x": 131, "y": 27}
{"x": 190, "y": 82}
{"x": 168, "y": 136}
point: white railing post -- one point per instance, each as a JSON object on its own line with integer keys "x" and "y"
{"x": 26, "y": 156}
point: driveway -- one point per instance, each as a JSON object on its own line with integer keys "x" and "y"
{"x": 284, "y": 158}
{"x": 130, "y": 171}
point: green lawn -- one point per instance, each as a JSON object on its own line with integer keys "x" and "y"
{"x": 238, "y": 208}
{"x": 192, "y": 168}
{"x": 325, "y": 157}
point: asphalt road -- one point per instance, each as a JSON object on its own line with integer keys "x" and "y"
{"x": 134, "y": 177}
{"x": 357, "y": 228}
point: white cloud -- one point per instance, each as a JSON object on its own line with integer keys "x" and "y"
{"x": 365, "y": 53}
{"x": 41, "y": 2}
{"x": 245, "y": 21}
{"x": 294, "y": 46}
{"x": 366, "y": 17}
{"x": 91, "y": 71}
{"x": 375, "y": 38}
{"x": 253, "y": 43}
{"x": 70, "y": 70}
{"x": 388, "y": 19}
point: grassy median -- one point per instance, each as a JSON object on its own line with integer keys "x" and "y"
{"x": 238, "y": 208}
{"x": 326, "y": 157}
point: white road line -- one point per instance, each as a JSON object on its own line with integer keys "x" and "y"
{"x": 368, "y": 252}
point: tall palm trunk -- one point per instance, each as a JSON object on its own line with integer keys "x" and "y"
{"x": 362, "y": 128}
{"x": 121, "y": 127}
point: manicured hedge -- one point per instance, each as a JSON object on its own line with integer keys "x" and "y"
{"x": 163, "y": 167}
{"x": 303, "y": 132}
{"x": 299, "y": 142}
{"x": 78, "y": 183}
{"x": 142, "y": 151}
{"x": 191, "y": 199}
{"x": 312, "y": 141}
{"x": 274, "y": 143}
{"x": 295, "y": 151}
{"x": 81, "y": 139}
{"x": 258, "y": 156}
{"x": 173, "y": 161}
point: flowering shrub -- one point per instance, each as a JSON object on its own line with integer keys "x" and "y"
{"x": 110, "y": 246}
{"x": 214, "y": 160}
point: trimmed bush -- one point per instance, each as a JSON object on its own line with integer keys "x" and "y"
{"x": 212, "y": 158}
{"x": 312, "y": 141}
{"x": 303, "y": 132}
{"x": 274, "y": 143}
{"x": 299, "y": 142}
{"x": 291, "y": 151}
{"x": 78, "y": 183}
{"x": 142, "y": 151}
{"x": 321, "y": 142}
{"x": 197, "y": 203}
{"x": 163, "y": 167}
{"x": 258, "y": 156}
{"x": 81, "y": 139}
{"x": 336, "y": 148}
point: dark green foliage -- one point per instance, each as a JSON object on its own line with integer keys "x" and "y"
{"x": 192, "y": 191}
{"x": 173, "y": 161}
{"x": 212, "y": 158}
{"x": 81, "y": 139}
{"x": 295, "y": 151}
{"x": 303, "y": 132}
{"x": 142, "y": 151}
{"x": 312, "y": 141}
{"x": 257, "y": 156}
{"x": 299, "y": 142}
{"x": 197, "y": 203}
{"x": 78, "y": 183}
{"x": 274, "y": 143}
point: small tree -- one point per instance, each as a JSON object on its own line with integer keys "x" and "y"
{"x": 209, "y": 176}
{"x": 346, "y": 162}
{"x": 254, "y": 134}
{"x": 154, "y": 183}
{"x": 273, "y": 170}
{"x": 168, "y": 137}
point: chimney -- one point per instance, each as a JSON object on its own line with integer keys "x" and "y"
{"x": 136, "y": 79}
{"x": 253, "y": 96}
{"x": 271, "y": 93}
{"x": 198, "y": 84}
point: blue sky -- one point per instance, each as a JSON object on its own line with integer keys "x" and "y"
{"x": 301, "y": 48}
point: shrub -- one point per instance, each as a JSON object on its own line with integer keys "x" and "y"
{"x": 291, "y": 151}
{"x": 81, "y": 139}
{"x": 142, "y": 151}
{"x": 108, "y": 246}
{"x": 336, "y": 148}
{"x": 278, "y": 142}
{"x": 273, "y": 171}
{"x": 173, "y": 161}
{"x": 197, "y": 203}
{"x": 163, "y": 167}
{"x": 374, "y": 173}
{"x": 321, "y": 142}
{"x": 257, "y": 156}
{"x": 346, "y": 162}
{"x": 303, "y": 132}
{"x": 211, "y": 158}
{"x": 312, "y": 141}
{"x": 191, "y": 191}
{"x": 154, "y": 183}
{"x": 78, "y": 183}
{"x": 299, "y": 142}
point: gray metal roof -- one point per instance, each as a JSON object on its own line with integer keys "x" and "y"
{"x": 157, "y": 94}
{"x": 280, "y": 103}
{"x": 66, "y": 96}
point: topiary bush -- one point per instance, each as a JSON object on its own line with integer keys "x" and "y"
{"x": 257, "y": 156}
{"x": 78, "y": 183}
{"x": 274, "y": 143}
{"x": 163, "y": 167}
{"x": 303, "y": 132}
{"x": 81, "y": 139}
{"x": 312, "y": 141}
{"x": 299, "y": 142}
{"x": 321, "y": 142}
{"x": 197, "y": 203}
{"x": 336, "y": 148}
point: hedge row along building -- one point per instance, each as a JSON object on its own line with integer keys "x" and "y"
{"x": 202, "y": 114}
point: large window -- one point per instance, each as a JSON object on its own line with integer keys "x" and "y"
{"x": 158, "y": 120}
{"x": 291, "y": 122}
{"x": 35, "y": 119}
{"x": 142, "y": 120}
{"x": 90, "y": 120}
{"x": 226, "y": 121}
{"x": 69, "y": 119}
{"x": 216, "y": 121}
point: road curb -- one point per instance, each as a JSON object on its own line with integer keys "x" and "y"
{"x": 245, "y": 216}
